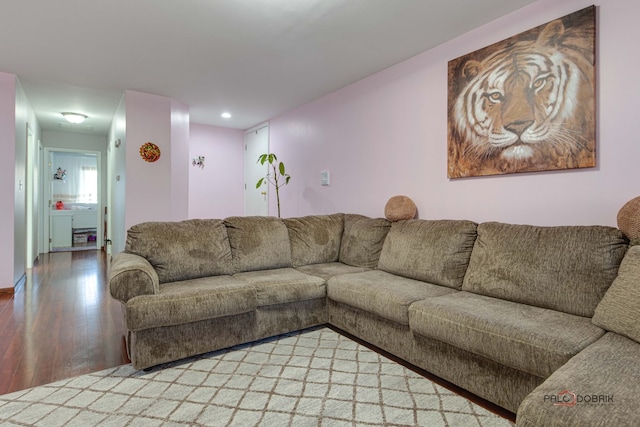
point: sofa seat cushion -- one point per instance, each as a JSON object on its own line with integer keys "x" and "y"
{"x": 330, "y": 269}
{"x": 182, "y": 250}
{"x": 434, "y": 251}
{"x": 314, "y": 239}
{"x": 604, "y": 380}
{"x": 530, "y": 339}
{"x": 190, "y": 301}
{"x": 564, "y": 268}
{"x": 382, "y": 293}
{"x": 258, "y": 243}
{"x": 283, "y": 285}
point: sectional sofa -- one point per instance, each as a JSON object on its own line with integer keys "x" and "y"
{"x": 542, "y": 321}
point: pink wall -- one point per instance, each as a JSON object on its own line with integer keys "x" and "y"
{"x": 8, "y": 181}
{"x": 387, "y": 135}
{"x": 179, "y": 160}
{"x": 216, "y": 191}
{"x": 148, "y": 185}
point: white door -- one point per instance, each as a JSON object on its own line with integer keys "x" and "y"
{"x": 256, "y": 200}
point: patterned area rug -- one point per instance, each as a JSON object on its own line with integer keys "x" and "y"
{"x": 316, "y": 377}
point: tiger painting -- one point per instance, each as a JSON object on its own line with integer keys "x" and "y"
{"x": 527, "y": 103}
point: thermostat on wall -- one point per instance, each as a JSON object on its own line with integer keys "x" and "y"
{"x": 324, "y": 178}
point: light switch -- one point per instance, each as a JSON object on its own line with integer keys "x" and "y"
{"x": 325, "y": 178}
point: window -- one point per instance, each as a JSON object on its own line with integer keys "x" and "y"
{"x": 74, "y": 178}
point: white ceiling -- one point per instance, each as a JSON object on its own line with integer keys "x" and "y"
{"x": 253, "y": 58}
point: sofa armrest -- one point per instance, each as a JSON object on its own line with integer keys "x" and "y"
{"x": 131, "y": 275}
{"x": 597, "y": 387}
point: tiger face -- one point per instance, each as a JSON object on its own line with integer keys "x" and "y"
{"x": 524, "y": 108}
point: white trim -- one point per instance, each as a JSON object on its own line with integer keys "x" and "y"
{"x": 257, "y": 127}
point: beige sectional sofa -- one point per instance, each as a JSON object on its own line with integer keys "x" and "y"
{"x": 523, "y": 316}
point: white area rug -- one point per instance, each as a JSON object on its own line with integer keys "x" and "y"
{"x": 315, "y": 377}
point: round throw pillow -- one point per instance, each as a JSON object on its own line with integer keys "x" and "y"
{"x": 629, "y": 219}
{"x": 400, "y": 207}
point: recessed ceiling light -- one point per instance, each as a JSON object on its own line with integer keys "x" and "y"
{"x": 225, "y": 115}
{"x": 74, "y": 117}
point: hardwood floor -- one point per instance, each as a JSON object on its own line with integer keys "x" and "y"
{"x": 60, "y": 323}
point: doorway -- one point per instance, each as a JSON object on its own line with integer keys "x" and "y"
{"x": 72, "y": 200}
{"x": 256, "y": 142}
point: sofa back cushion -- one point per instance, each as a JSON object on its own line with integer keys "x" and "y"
{"x": 314, "y": 239}
{"x": 432, "y": 251}
{"x": 258, "y": 243}
{"x": 619, "y": 310}
{"x": 362, "y": 240}
{"x": 182, "y": 250}
{"x": 567, "y": 268}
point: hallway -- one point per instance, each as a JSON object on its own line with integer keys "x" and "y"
{"x": 61, "y": 323}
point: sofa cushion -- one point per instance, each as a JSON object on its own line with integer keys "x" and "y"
{"x": 566, "y": 268}
{"x": 432, "y": 251}
{"x": 314, "y": 239}
{"x": 362, "y": 240}
{"x": 604, "y": 379}
{"x": 283, "y": 285}
{"x": 258, "y": 243}
{"x": 619, "y": 310}
{"x": 330, "y": 269}
{"x": 381, "y": 293}
{"x": 530, "y": 339}
{"x": 190, "y": 301}
{"x": 184, "y": 249}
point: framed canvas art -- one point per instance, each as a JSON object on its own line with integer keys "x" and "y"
{"x": 525, "y": 104}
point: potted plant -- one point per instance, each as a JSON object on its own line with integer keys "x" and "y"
{"x": 278, "y": 177}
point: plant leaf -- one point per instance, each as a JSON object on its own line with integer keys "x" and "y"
{"x": 281, "y": 167}
{"x": 260, "y": 182}
{"x": 287, "y": 180}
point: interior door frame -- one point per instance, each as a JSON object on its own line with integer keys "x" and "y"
{"x": 31, "y": 247}
{"x": 46, "y": 201}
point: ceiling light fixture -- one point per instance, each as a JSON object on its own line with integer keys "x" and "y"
{"x": 225, "y": 115}
{"x": 74, "y": 117}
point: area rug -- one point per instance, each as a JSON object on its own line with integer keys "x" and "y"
{"x": 316, "y": 377}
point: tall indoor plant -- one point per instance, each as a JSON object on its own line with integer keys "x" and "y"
{"x": 278, "y": 177}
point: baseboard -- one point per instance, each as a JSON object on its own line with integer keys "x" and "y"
{"x": 5, "y": 292}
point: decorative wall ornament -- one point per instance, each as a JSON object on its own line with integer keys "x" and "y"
{"x": 149, "y": 152}
{"x": 198, "y": 161}
{"x": 60, "y": 175}
{"x": 525, "y": 104}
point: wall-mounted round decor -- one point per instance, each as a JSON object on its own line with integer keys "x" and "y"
{"x": 149, "y": 152}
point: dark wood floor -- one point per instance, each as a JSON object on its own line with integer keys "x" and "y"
{"x": 60, "y": 323}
